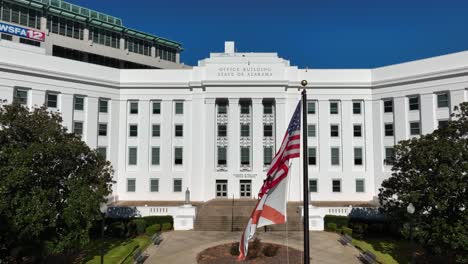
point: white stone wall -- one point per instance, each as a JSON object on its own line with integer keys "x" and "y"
{"x": 232, "y": 77}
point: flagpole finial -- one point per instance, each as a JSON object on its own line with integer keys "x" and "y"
{"x": 304, "y": 83}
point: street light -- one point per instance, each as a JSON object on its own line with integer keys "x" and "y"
{"x": 103, "y": 211}
{"x": 410, "y": 209}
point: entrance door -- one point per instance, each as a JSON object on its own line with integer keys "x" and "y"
{"x": 245, "y": 188}
{"x": 221, "y": 188}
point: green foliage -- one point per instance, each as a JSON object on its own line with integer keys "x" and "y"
{"x": 151, "y": 220}
{"x": 51, "y": 184}
{"x": 340, "y": 221}
{"x": 117, "y": 229}
{"x": 431, "y": 172}
{"x": 140, "y": 225}
{"x": 359, "y": 229}
{"x": 166, "y": 226}
{"x": 152, "y": 229}
{"x": 347, "y": 231}
{"x": 331, "y": 227}
{"x": 234, "y": 250}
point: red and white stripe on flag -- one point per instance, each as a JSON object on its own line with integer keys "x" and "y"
{"x": 271, "y": 208}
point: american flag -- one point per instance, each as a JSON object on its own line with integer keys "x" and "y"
{"x": 271, "y": 206}
{"x": 290, "y": 148}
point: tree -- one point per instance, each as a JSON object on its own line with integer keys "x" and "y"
{"x": 51, "y": 185}
{"x": 431, "y": 173}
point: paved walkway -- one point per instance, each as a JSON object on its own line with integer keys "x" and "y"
{"x": 182, "y": 247}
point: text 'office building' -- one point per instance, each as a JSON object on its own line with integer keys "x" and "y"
{"x": 214, "y": 128}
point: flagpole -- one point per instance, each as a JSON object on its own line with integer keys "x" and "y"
{"x": 305, "y": 174}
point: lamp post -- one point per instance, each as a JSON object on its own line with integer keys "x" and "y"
{"x": 103, "y": 211}
{"x": 410, "y": 209}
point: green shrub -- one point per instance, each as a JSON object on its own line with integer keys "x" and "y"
{"x": 270, "y": 250}
{"x": 116, "y": 229}
{"x": 340, "y": 221}
{"x": 166, "y": 226}
{"x": 347, "y": 231}
{"x": 152, "y": 229}
{"x": 359, "y": 229}
{"x": 158, "y": 219}
{"x": 234, "y": 250}
{"x": 140, "y": 225}
{"x": 331, "y": 227}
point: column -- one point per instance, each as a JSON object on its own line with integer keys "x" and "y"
{"x": 210, "y": 146}
{"x": 116, "y": 149}
{"x": 91, "y": 121}
{"x": 233, "y": 151}
{"x": 178, "y": 57}
{"x": 37, "y": 98}
{"x": 257, "y": 136}
{"x": 144, "y": 127}
{"x": 347, "y": 141}
{"x": 43, "y": 26}
{"x": 280, "y": 124}
{"x": 153, "y": 51}
{"x": 66, "y": 108}
{"x": 456, "y": 98}
{"x": 86, "y": 35}
{"x": 427, "y": 113}
{"x": 197, "y": 127}
{"x": 122, "y": 44}
{"x": 400, "y": 107}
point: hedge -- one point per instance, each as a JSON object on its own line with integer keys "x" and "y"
{"x": 361, "y": 227}
{"x": 340, "y": 221}
{"x": 152, "y": 229}
{"x": 136, "y": 226}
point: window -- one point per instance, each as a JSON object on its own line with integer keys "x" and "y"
{"x": 389, "y": 156}
{"x": 267, "y": 130}
{"x": 388, "y": 106}
{"x": 30, "y": 42}
{"x": 133, "y": 130}
{"x": 156, "y": 108}
{"x": 102, "y": 130}
{"x": 313, "y": 187}
{"x": 442, "y": 100}
{"x": 222, "y": 159}
{"x": 102, "y": 151}
{"x": 132, "y": 156}
{"x": 137, "y": 45}
{"x": 222, "y": 130}
{"x": 154, "y": 185}
{"x": 179, "y": 108}
{"x": 20, "y": 15}
{"x": 64, "y": 27}
{"x": 443, "y": 123}
{"x": 78, "y": 128}
{"x": 245, "y": 130}
{"x": 335, "y": 156}
{"x": 6, "y": 37}
{"x": 415, "y": 128}
{"x": 333, "y": 108}
{"x": 268, "y": 108}
{"x": 103, "y": 106}
{"x": 414, "y": 103}
{"x": 105, "y": 37}
{"x": 245, "y": 108}
{"x": 312, "y": 156}
{"x": 177, "y": 185}
{"x": 389, "y": 130}
{"x": 267, "y": 155}
{"x": 311, "y": 130}
{"x": 358, "y": 156}
{"x": 222, "y": 109}
{"x": 245, "y": 156}
{"x": 20, "y": 96}
{"x": 357, "y": 130}
{"x": 179, "y": 130}
{"x": 336, "y": 185}
{"x": 156, "y": 130}
{"x": 133, "y": 108}
{"x": 178, "y": 156}
{"x": 357, "y": 108}
{"x": 155, "y": 156}
{"x": 310, "y": 108}
{"x": 131, "y": 185}
{"x": 79, "y": 103}
{"x": 359, "y": 185}
{"x": 334, "y": 131}
{"x": 52, "y": 100}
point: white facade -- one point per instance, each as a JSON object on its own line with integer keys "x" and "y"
{"x": 228, "y": 81}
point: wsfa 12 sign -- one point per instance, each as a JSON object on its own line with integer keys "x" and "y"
{"x": 22, "y": 32}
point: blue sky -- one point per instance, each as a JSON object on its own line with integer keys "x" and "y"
{"x": 313, "y": 33}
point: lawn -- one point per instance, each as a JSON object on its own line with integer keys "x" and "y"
{"x": 388, "y": 250}
{"x": 116, "y": 250}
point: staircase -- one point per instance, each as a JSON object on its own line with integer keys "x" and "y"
{"x": 229, "y": 215}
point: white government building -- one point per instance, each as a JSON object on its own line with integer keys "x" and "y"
{"x": 213, "y": 128}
